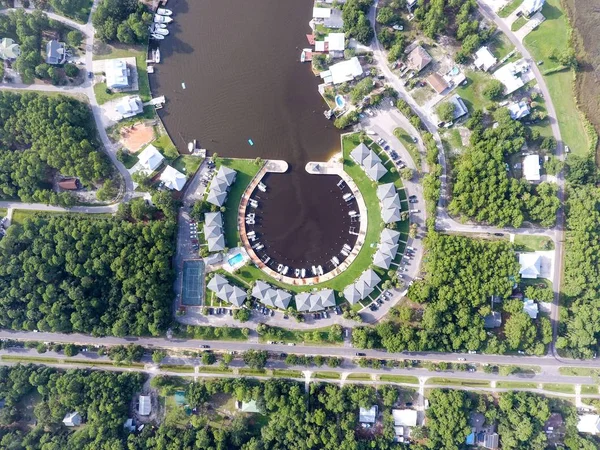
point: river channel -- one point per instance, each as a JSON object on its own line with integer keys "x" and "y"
{"x": 243, "y": 80}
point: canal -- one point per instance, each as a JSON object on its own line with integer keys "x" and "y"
{"x": 240, "y": 62}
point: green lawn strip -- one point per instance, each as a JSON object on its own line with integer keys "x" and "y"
{"x": 165, "y": 145}
{"x": 214, "y": 333}
{"x": 253, "y": 372}
{"x": 579, "y": 371}
{"x": 287, "y": 373}
{"x": 404, "y": 137}
{"x": 509, "y": 8}
{"x": 103, "y": 96}
{"x": 472, "y": 93}
{"x": 533, "y": 243}
{"x": 359, "y": 376}
{"x": 19, "y": 215}
{"x": 32, "y": 359}
{"x": 551, "y": 37}
{"x": 246, "y": 170}
{"x": 177, "y": 368}
{"x": 518, "y": 24}
{"x": 558, "y": 387}
{"x": 399, "y": 379}
{"x": 589, "y": 389}
{"x": 327, "y": 375}
{"x": 500, "y": 45}
{"x": 316, "y": 336}
{"x": 3, "y": 212}
{"x": 187, "y": 164}
{"x": 516, "y": 385}
{"x": 213, "y": 369}
{"x": 457, "y": 382}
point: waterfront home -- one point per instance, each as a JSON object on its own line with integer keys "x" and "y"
{"x": 390, "y": 202}
{"x": 321, "y": 13}
{"x": 9, "y": 49}
{"x": 213, "y": 231}
{"x": 55, "y": 52}
{"x": 388, "y": 247}
{"x": 511, "y": 75}
{"x": 173, "y": 178}
{"x": 530, "y": 7}
{"x": 117, "y": 73}
{"x": 418, "y": 59}
{"x": 275, "y": 298}
{"x": 335, "y": 19}
{"x": 226, "y": 291}
{"x": 370, "y": 162}
{"x": 342, "y": 72}
{"x": 219, "y": 186}
{"x": 72, "y": 419}
{"x": 128, "y": 107}
{"x": 150, "y": 159}
{"x": 531, "y": 168}
{"x": 315, "y": 301}
{"x": 484, "y": 59}
{"x": 361, "y": 288}
{"x": 145, "y": 405}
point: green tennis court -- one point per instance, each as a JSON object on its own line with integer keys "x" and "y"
{"x": 192, "y": 283}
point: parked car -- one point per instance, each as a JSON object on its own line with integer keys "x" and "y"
{"x": 360, "y": 354}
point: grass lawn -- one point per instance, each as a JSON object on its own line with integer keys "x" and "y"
{"x": 19, "y": 215}
{"x": 399, "y": 379}
{"x": 589, "y": 389}
{"x": 404, "y": 137}
{"x": 533, "y": 243}
{"x": 550, "y": 37}
{"x": 316, "y": 336}
{"x": 557, "y": 387}
{"x": 500, "y": 46}
{"x": 509, "y": 8}
{"x": 287, "y": 373}
{"x": 253, "y": 372}
{"x": 32, "y": 359}
{"x": 578, "y": 371}
{"x": 327, "y": 375}
{"x": 177, "y": 368}
{"x": 140, "y": 53}
{"x": 518, "y": 24}
{"x": 452, "y": 136}
{"x": 165, "y": 145}
{"x": 213, "y": 369}
{"x": 246, "y": 169}
{"x": 3, "y": 212}
{"x": 80, "y": 15}
{"x": 215, "y": 333}
{"x": 458, "y": 382}
{"x": 516, "y": 385}
{"x": 102, "y": 96}
{"x": 359, "y": 376}
{"x": 187, "y": 164}
{"x": 129, "y": 160}
{"x": 472, "y": 93}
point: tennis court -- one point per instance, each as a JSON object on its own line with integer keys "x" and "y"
{"x": 192, "y": 283}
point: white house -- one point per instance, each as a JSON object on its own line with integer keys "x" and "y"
{"x": 150, "y": 158}
{"x": 518, "y": 110}
{"x": 336, "y": 42}
{"x": 72, "y": 419}
{"x": 55, "y": 52}
{"x": 173, "y": 178}
{"x": 589, "y": 423}
{"x": 484, "y": 59}
{"x": 530, "y": 7}
{"x": 531, "y": 265}
{"x": 321, "y": 13}
{"x": 117, "y": 73}
{"x": 404, "y": 417}
{"x": 531, "y": 308}
{"x": 129, "y": 107}
{"x": 510, "y": 75}
{"x": 343, "y": 71}
{"x": 145, "y": 407}
{"x": 531, "y": 168}
{"x": 9, "y": 49}
{"x": 367, "y": 415}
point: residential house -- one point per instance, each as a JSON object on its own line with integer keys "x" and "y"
{"x": 226, "y": 291}
{"x": 589, "y": 423}
{"x": 275, "y": 298}
{"x": 531, "y": 265}
{"x": 518, "y": 110}
{"x": 511, "y": 75}
{"x": 150, "y": 159}
{"x": 128, "y": 107}
{"x": 531, "y": 308}
{"x": 388, "y": 247}
{"x": 492, "y": 320}
{"x": 531, "y": 168}
{"x": 336, "y": 42}
{"x": 247, "y": 407}
{"x": 418, "y": 59}
{"x": 321, "y": 13}
{"x": 145, "y": 405}
{"x": 9, "y": 49}
{"x": 69, "y": 184}
{"x": 173, "y": 178}
{"x": 361, "y": 288}
{"x": 117, "y": 74}
{"x": 219, "y": 186}
{"x": 404, "y": 420}
{"x": 342, "y": 72}
{"x": 334, "y": 20}
{"x": 530, "y": 7}
{"x": 460, "y": 109}
{"x": 72, "y": 419}
{"x": 390, "y": 202}
{"x": 315, "y": 301}
{"x": 482, "y": 434}
{"x": 367, "y": 416}
{"x": 55, "y": 52}
{"x": 213, "y": 231}
{"x": 370, "y": 162}
{"x": 484, "y": 59}
{"x": 437, "y": 82}
{"x": 410, "y": 3}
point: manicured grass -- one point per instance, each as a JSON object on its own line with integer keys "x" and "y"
{"x": 165, "y": 145}
{"x": 327, "y": 375}
{"x": 316, "y": 336}
{"x": 500, "y": 45}
{"x": 589, "y": 389}
{"x": 246, "y": 170}
{"x": 140, "y": 53}
{"x": 3, "y": 212}
{"x": 359, "y": 376}
{"x": 177, "y": 368}
{"x": 533, "y": 243}
{"x": 509, "y": 8}
{"x": 129, "y": 160}
{"x": 579, "y": 371}
{"x": 253, "y": 372}
{"x": 552, "y": 37}
{"x": 214, "y": 333}
{"x": 404, "y": 137}
{"x": 187, "y": 164}
{"x": 557, "y": 387}
{"x": 102, "y": 96}
{"x": 287, "y": 373}
{"x": 399, "y": 379}
{"x": 458, "y": 382}
{"x": 518, "y": 24}
{"x": 213, "y": 369}
{"x": 30, "y": 359}
{"x": 20, "y": 215}
{"x": 472, "y": 93}
{"x": 515, "y": 385}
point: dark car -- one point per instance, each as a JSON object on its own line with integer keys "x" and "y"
{"x": 412, "y": 196}
{"x": 360, "y": 354}
{"x": 204, "y": 346}
{"x": 498, "y": 234}
{"x": 412, "y": 200}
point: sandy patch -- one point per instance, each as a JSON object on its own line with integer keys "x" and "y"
{"x": 133, "y": 138}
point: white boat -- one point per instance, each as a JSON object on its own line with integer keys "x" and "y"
{"x": 313, "y": 269}
{"x": 164, "y": 12}
{"x": 280, "y": 268}
{"x": 158, "y": 37}
{"x": 162, "y": 31}
{"x": 160, "y": 25}
{"x": 157, "y": 56}
{"x": 262, "y": 187}
{"x": 297, "y": 273}
{"x": 285, "y": 270}
{"x": 303, "y": 273}
{"x": 162, "y": 19}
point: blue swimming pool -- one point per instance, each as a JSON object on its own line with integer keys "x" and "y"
{"x": 238, "y": 258}
{"x": 339, "y": 100}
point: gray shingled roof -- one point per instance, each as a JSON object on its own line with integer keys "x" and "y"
{"x": 351, "y": 294}
{"x": 226, "y": 174}
{"x": 382, "y": 260}
{"x": 389, "y": 249}
{"x": 216, "y": 244}
{"x": 370, "y": 278}
{"x": 303, "y": 301}
{"x": 213, "y": 219}
{"x": 327, "y": 298}
{"x": 237, "y": 297}
{"x": 376, "y": 171}
{"x": 216, "y": 283}
{"x": 390, "y": 215}
{"x": 389, "y": 235}
{"x": 371, "y": 159}
{"x": 391, "y": 202}
{"x": 360, "y": 152}
{"x": 386, "y": 190}
{"x": 212, "y": 232}
{"x": 216, "y": 198}
{"x": 260, "y": 289}
{"x": 282, "y": 299}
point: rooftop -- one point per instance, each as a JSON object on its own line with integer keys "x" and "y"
{"x": 418, "y": 59}
{"x": 531, "y": 168}
{"x": 367, "y": 415}
{"x": 437, "y": 82}
{"x": 484, "y": 59}
{"x": 173, "y": 178}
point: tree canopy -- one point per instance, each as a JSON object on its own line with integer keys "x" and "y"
{"x": 125, "y": 21}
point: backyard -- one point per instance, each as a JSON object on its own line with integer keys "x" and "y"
{"x": 509, "y": 8}
{"x": 472, "y": 93}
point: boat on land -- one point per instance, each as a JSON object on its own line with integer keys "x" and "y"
{"x": 158, "y": 37}
{"x": 162, "y": 19}
{"x": 164, "y": 12}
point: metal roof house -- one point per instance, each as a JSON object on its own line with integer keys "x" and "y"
{"x": 9, "y": 49}
{"x": 518, "y": 110}
{"x": 484, "y": 59}
{"x": 460, "y": 109}
{"x": 589, "y": 423}
{"x": 72, "y": 419}
{"x": 342, "y": 72}
{"x": 268, "y": 296}
{"x": 385, "y": 190}
{"x": 150, "y": 158}
{"x": 225, "y": 291}
{"x": 531, "y": 168}
{"x": 248, "y": 407}
{"x": 117, "y": 74}
{"x": 129, "y": 107}
{"x": 145, "y": 407}
{"x": 55, "y": 52}
{"x": 404, "y": 417}
{"x": 219, "y": 186}
{"x": 367, "y": 415}
{"x": 531, "y": 265}
{"x": 173, "y": 178}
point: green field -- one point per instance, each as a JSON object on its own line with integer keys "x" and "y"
{"x": 550, "y": 37}
{"x": 399, "y": 379}
{"x": 518, "y": 24}
{"x": 177, "y": 368}
{"x": 215, "y": 333}
{"x": 326, "y": 375}
{"x": 516, "y": 385}
{"x": 102, "y": 96}
{"x": 213, "y": 369}
{"x": 458, "y": 382}
{"x": 589, "y": 389}
{"x": 287, "y": 373}
{"x": 359, "y": 376}
{"x": 20, "y": 215}
{"x": 557, "y": 387}
{"x": 316, "y": 336}
{"x": 579, "y": 371}
{"x": 533, "y": 243}
{"x": 509, "y": 8}
{"x": 187, "y": 164}
{"x": 472, "y": 93}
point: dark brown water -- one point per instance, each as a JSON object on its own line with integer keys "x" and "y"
{"x": 240, "y": 64}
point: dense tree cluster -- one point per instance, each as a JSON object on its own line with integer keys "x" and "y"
{"x": 99, "y": 276}
{"x": 101, "y": 398}
{"x": 125, "y": 21}
{"x": 448, "y": 419}
{"x": 40, "y": 135}
{"x": 356, "y": 23}
{"x": 483, "y": 189}
{"x": 77, "y": 9}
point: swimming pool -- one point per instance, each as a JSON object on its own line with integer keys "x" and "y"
{"x": 238, "y": 258}
{"x": 339, "y": 101}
